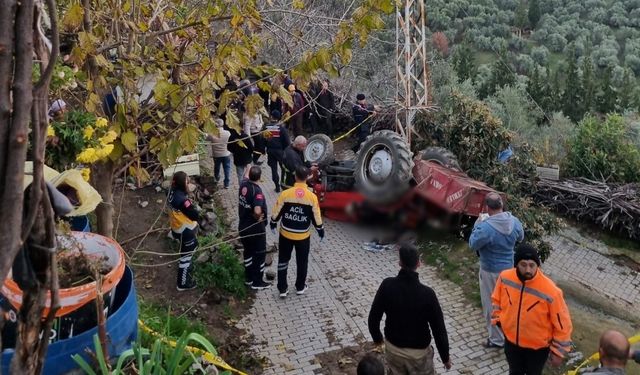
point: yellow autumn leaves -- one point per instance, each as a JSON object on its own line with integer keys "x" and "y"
{"x": 100, "y": 140}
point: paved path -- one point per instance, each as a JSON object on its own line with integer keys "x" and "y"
{"x": 343, "y": 280}
{"x": 585, "y": 261}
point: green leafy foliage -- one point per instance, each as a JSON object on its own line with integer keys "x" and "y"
{"x": 464, "y": 63}
{"x": 225, "y": 271}
{"x": 502, "y": 74}
{"x": 572, "y": 98}
{"x": 603, "y": 150}
{"x": 167, "y": 77}
{"x": 576, "y": 47}
{"x": 163, "y": 358}
{"x": 162, "y": 320}
{"x": 69, "y": 139}
{"x": 534, "y": 13}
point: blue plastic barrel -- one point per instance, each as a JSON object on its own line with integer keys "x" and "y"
{"x": 80, "y": 223}
{"x": 122, "y": 329}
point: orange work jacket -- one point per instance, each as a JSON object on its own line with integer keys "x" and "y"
{"x": 532, "y": 314}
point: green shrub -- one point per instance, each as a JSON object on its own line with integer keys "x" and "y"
{"x": 225, "y": 271}
{"x": 603, "y": 150}
{"x": 61, "y": 154}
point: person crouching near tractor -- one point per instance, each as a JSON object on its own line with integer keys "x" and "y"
{"x": 531, "y": 311}
{"x": 183, "y": 218}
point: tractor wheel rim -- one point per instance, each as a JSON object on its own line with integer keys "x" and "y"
{"x": 314, "y": 151}
{"x": 379, "y": 165}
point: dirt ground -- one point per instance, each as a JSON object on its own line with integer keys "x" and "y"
{"x": 344, "y": 361}
{"x": 156, "y": 283}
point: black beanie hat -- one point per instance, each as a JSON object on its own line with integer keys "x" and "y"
{"x": 276, "y": 114}
{"x": 360, "y": 97}
{"x": 526, "y": 252}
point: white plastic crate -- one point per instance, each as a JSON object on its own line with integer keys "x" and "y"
{"x": 549, "y": 173}
{"x": 190, "y": 164}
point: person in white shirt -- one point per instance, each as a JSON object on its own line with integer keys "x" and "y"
{"x": 253, "y": 125}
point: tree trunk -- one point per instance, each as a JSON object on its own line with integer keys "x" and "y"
{"x": 102, "y": 180}
{"x": 15, "y": 119}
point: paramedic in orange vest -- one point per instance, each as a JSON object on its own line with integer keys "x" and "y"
{"x": 531, "y": 311}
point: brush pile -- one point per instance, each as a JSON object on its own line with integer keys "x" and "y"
{"x": 615, "y": 207}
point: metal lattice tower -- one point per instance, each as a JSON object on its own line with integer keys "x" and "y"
{"x": 412, "y": 75}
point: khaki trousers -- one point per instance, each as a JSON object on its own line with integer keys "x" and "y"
{"x": 404, "y": 361}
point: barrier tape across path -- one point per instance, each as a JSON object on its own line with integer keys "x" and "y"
{"x": 209, "y": 357}
{"x": 596, "y": 356}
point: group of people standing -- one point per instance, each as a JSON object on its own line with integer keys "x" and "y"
{"x": 296, "y": 211}
{"x": 244, "y": 148}
{"x": 525, "y": 312}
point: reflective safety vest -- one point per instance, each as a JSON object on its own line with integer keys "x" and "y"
{"x": 532, "y": 314}
{"x": 297, "y": 209}
{"x": 182, "y": 214}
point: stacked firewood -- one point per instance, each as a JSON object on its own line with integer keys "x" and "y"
{"x": 613, "y": 207}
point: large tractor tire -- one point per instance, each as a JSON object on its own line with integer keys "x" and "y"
{"x": 383, "y": 167}
{"x": 319, "y": 150}
{"x": 441, "y": 156}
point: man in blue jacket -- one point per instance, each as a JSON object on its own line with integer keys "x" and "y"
{"x": 493, "y": 239}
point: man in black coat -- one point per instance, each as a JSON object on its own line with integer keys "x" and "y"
{"x": 292, "y": 159}
{"x": 413, "y": 314}
{"x": 362, "y": 112}
{"x": 277, "y": 141}
{"x": 324, "y": 107}
{"x": 241, "y": 148}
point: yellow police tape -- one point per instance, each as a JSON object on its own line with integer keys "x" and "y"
{"x": 352, "y": 129}
{"x": 209, "y": 357}
{"x": 596, "y": 356}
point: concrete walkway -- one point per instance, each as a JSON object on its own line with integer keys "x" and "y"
{"x": 343, "y": 279}
{"x": 587, "y": 262}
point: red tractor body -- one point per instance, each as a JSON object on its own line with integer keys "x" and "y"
{"x": 436, "y": 192}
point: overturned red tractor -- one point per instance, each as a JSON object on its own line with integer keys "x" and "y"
{"x": 386, "y": 179}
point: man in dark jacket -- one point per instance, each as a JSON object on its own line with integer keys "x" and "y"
{"x": 278, "y": 140}
{"x": 413, "y": 313}
{"x": 324, "y": 106}
{"x": 241, "y": 148}
{"x": 294, "y": 158}
{"x": 296, "y": 112}
{"x": 361, "y": 116}
{"x": 252, "y": 213}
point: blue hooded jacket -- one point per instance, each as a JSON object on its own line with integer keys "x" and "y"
{"x": 494, "y": 239}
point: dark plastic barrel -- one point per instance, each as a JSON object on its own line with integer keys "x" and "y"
{"x": 122, "y": 329}
{"x": 80, "y": 223}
